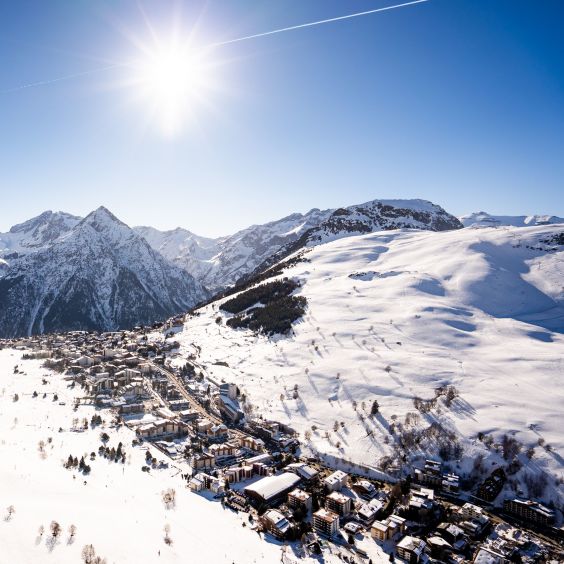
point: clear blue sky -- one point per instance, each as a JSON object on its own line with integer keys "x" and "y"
{"x": 457, "y": 101}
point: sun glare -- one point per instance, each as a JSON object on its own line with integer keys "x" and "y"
{"x": 172, "y": 81}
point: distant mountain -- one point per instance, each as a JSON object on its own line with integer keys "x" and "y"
{"x": 99, "y": 275}
{"x": 376, "y": 215}
{"x": 484, "y": 219}
{"x": 219, "y": 263}
{"x": 60, "y": 272}
{"x": 36, "y": 233}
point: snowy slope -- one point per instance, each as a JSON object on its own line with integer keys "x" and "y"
{"x": 221, "y": 262}
{"x": 484, "y": 219}
{"x": 117, "y": 508}
{"x": 99, "y": 276}
{"x": 394, "y": 315}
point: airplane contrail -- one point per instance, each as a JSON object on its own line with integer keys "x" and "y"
{"x": 311, "y": 24}
{"x": 218, "y": 44}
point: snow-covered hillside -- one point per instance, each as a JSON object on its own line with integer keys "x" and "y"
{"x": 398, "y": 315}
{"x": 100, "y": 275}
{"x": 484, "y": 219}
{"x": 116, "y": 507}
{"x": 219, "y": 263}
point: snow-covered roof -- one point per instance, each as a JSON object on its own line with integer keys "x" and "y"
{"x": 272, "y": 486}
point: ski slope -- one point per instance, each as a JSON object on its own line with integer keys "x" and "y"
{"x": 393, "y": 315}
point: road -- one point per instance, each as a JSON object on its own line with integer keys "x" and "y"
{"x": 194, "y": 404}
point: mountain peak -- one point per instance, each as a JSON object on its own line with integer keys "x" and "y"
{"x": 44, "y": 218}
{"x": 102, "y": 218}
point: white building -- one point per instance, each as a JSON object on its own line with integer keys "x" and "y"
{"x": 336, "y": 481}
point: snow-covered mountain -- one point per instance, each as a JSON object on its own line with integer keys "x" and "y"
{"x": 484, "y": 219}
{"x": 36, "y": 233}
{"x": 400, "y": 315}
{"x": 219, "y": 263}
{"x": 100, "y": 275}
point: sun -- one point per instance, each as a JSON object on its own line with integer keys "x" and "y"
{"x": 172, "y": 79}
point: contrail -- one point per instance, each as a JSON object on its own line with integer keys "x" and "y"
{"x": 60, "y": 78}
{"x": 311, "y": 24}
{"x": 218, "y": 44}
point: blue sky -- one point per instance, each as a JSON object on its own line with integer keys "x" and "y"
{"x": 456, "y": 101}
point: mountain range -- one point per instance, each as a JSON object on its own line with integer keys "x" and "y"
{"x": 65, "y": 273}
{"x": 62, "y": 272}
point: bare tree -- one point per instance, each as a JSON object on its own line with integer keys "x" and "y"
{"x": 169, "y": 498}
{"x": 10, "y": 511}
{"x": 55, "y": 529}
{"x": 88, "y": 554}
{"x": 167, "y": 538}
{"x": 72, "y": 533}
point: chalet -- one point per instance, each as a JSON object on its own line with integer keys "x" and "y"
{"x": 201, "y": 461}
{"x": 305, "y": 472}
{"x": 238, "y": 473}
{"x": 336, "y": 481}
{"x": 85, "y": 361}
{"x": 365, "y": 489}
{"x": 252, "y": 443}
{"x": 196, "y": 484}
{"x": 98, "y": 383}
{"x": 368, "y": 512}
{"x": 222, "y": 450}
{"x": 275, "y": 523}
{"x": 160, "y": 428}
{"x": 218, "y": 431}
{"x": 299, "y": 499}
{"x": 145, "y": 368}
{"x": 387, "y": 529}
{"x": 450, "y": 532}
{"x": 178, "y": 405}
{"x": 439, "y": 548}
{"x": 203, "y": 426}
{"x": 131, "y": 408}
{"x": 411, "y": 549}
{"x": 188, "y": 415}
{"x": 325, "y": 522}
{"x": 338, "y": 503}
